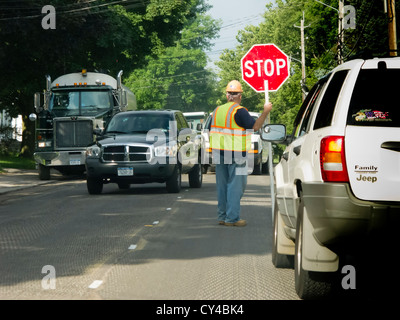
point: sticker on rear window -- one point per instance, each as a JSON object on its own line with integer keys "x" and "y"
{"x": 371, "y": 115}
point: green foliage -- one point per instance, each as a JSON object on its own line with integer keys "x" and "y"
{"x": 281, "y": 27}
{"x": 93, "y": 34}
{"x": 16, "y": 162}
{"x": 177, "y": 78}
{"x": 161, "y": 44}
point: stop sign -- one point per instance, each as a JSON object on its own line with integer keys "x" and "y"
{"x": 265, "y": 62}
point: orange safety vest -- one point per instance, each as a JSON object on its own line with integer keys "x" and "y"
{"x": 225, "y": 134}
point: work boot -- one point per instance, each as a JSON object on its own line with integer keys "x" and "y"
{"x": 239, "y": 223}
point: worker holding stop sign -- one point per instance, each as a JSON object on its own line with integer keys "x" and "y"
{"x": 265, "y": 68}
{"x": 230, "y": 139}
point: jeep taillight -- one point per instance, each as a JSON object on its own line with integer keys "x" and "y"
{"x": 332, "y": 159}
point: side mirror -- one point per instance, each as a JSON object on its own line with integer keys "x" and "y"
{"x": 32, "y": 117}
{"x": 37, "y": 103}
{"x": 97, "y": 131}
{"x": 124, "y": 99}
{"x": 199, "y": 127}
{"x": 275, "y": 133}
{"x": 184, "y": 135}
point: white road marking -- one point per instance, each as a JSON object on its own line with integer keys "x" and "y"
{"x": 95, "y": 284}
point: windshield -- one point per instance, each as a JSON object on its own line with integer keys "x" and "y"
{"x": 194, "y": 121}
{"x": 375, "y": 100}
{"x": 80, "y": 103}
{"x": 138, "y": 123}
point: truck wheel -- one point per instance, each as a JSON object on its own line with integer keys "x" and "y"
{"x": 44, "y": 172}
{"x": 196, "y": 176}
{"x": 174, "y": 182}
{"x": 94, "y": 185}
{"x": 279, "y": 260}
{"x": 308, "y": 284}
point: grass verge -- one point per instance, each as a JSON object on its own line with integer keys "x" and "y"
{"x": 15, "y": 162}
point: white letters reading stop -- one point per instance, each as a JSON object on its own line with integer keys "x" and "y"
{"x": 266, "y": 67}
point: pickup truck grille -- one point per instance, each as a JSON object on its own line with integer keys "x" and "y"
{"x": 73, "y": 133}
{"x": 126, "y": 153}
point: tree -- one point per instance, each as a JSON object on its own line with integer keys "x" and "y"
{"x": 369, "y": 39}
{"x": 97, "y": 35}
{"x": 178, "y": 78}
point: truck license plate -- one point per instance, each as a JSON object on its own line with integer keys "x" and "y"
{"x": 74, "y": 162}
{"x": 123, "y": 172}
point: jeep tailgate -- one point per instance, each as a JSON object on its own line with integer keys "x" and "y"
{"x": 372, "y": 140}
{"x": 373, "y": 162}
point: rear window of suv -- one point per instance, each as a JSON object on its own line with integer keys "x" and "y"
{"x": 328, "y": 103}
{"x": 376, "y": 99}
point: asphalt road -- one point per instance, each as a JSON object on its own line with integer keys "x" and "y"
{"x": 59, "y": 242}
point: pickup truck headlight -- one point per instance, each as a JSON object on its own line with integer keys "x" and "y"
{"x": 166, "y": 150}
{"x": 93, "y": 152}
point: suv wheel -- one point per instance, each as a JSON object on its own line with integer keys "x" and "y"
{"x": 94, "y": 185}
{"x": 308, "y": 284}
{"x": 196, "y": 176}
{"x": 174, "y": 182}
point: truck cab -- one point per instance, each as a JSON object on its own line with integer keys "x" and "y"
{"x": 75, "y": 107}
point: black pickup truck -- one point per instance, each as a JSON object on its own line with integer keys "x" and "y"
{"x": 143, "y": 147}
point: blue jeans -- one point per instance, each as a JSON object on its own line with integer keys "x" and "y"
{"x": 231, "y": 184}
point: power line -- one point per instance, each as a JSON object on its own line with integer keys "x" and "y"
{"x": 170, "y": 77}
{"x": 128, "y": 4}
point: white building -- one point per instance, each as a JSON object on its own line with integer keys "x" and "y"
{"x": 14, "y": 123}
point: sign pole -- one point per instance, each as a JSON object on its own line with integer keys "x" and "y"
{"x": 266, "y": 91}
{"x": 270, "y": 156}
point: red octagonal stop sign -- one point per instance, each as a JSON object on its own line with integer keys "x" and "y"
{"x": 265, "y": 62}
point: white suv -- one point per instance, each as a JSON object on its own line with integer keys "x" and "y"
{"x": 338, "y": 181}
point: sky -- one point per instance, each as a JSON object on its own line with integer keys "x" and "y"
{"x": 235, "y": 16}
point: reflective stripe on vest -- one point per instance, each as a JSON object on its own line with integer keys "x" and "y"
{"x": 225, "y": 134}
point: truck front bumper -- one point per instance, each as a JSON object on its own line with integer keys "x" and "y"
{"x": 60, "y": 158}
{"x": 336, "y": 214}
{"x": 142, "y": 172}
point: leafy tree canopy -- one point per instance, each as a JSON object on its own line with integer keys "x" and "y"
{"x": 178, "y": 78}
{"x": 281, "y": 27}
{"x": 93, "y": 34}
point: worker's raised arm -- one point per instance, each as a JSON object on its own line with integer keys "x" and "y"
{"x": 261, "y": 119}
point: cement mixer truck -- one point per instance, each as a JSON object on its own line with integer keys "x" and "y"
{"x": 75, "y": 107}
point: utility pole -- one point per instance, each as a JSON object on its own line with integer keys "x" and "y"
{"x": 391, "y": 13}
{"x": 303, "y": 55}
{"x": 341, "y": 32}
